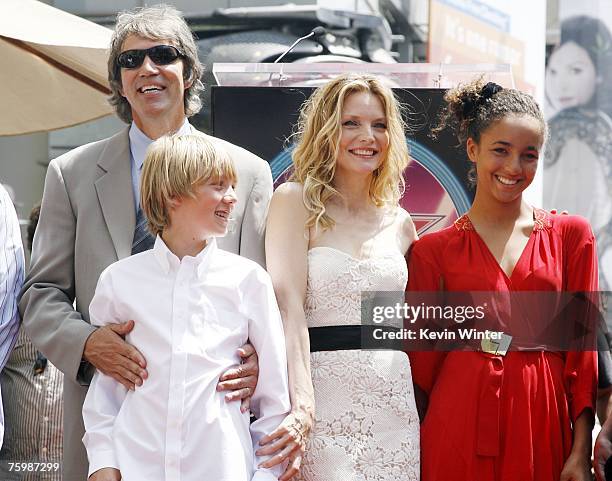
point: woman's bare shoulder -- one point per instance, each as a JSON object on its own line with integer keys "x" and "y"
{"x": 406, "y": 230}
{"x": 290, "y": 186}
{"x": 289, "y": 197}
{"x": 290, "y": 190}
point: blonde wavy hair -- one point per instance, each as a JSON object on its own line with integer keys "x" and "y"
{"x": 173, "y": 167}
{"x": 318, "y": 143}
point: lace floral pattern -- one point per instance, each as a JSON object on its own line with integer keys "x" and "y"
{"x": 335, "y": 284}
{"x": 366, "y": 424}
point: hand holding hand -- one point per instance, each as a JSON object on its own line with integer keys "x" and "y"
{"x": 111, "y": 355}
{"x": 288, "y": 441}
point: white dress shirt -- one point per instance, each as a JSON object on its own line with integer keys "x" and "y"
{"x": 191, "y": 316}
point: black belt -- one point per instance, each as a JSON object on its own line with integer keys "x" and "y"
{"x": 343, "y": 338}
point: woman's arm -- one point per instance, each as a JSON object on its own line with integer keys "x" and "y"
{"x": 407, "y": 231}
{"x": 580, "y": 367}
{"x": 578, "y": 465}
{"x": 287, "y": 263}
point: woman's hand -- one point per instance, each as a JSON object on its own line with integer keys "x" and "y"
{"x": 287, "y": 242}
{"x": 287, "y": 442}
{"x": 578, "y": 465}
{"x": 576, "y": 468}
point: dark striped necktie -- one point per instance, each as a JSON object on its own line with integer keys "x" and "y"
{"x": 143, "y": 240}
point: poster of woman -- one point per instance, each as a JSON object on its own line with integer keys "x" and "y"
{"x": 578, "y": 160}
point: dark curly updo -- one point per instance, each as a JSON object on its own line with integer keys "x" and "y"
{"x": 472, "y": 108}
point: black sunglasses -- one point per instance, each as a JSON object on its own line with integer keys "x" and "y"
{"x": 159, "y": 55}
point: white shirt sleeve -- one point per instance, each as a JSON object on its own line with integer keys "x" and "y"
{"x": 270, "y": 402}
{"x": 105, "y": 395}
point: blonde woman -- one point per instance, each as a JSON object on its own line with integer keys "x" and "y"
{"x": 335, "y": 231}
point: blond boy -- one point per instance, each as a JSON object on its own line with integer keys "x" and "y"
{"x": 194, "y": 305}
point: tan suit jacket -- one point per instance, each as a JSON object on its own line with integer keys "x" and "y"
{"x": 86, "y": 223}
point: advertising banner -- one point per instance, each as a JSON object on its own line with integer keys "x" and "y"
{"x": 491, "y": 31}
{"x": 578, "y": 160}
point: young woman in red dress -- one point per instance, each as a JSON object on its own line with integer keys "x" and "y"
{"x": 528, "y": 415}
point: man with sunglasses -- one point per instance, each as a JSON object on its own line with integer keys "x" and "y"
{"x": 91, "y": 217}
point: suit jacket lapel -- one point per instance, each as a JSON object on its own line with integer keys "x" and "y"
{"x": 115, "y": 193}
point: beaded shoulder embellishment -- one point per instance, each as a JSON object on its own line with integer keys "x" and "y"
{"x": 541, "y": 219}
{"x": 464, "y": 223}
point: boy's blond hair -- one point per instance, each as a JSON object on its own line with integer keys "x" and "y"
{"x": 173, "y": 166}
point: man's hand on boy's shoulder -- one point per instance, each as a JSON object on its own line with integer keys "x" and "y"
{"x": 242, "y": 379}
{"x": 106, "y": 474}
{"x": 106, "y": 349}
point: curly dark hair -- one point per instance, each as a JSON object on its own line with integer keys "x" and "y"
{"x": 472, "y": 108}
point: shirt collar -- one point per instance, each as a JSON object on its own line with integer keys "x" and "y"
{"x": 168, "y": 261}
{"x": 139, "y": 142}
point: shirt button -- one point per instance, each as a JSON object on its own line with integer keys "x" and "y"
{"x": 44, "y": 450}
{"x": 46, "y": 419}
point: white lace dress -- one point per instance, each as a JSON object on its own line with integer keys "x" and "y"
{"x": 366, "y": 423}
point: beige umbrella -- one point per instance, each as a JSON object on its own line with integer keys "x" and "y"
{"x": 52, "y": 68}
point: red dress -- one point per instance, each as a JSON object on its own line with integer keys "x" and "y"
{"x": 493, "y": 418}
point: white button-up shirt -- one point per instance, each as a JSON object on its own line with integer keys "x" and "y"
{"x": 191, "y": 316}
